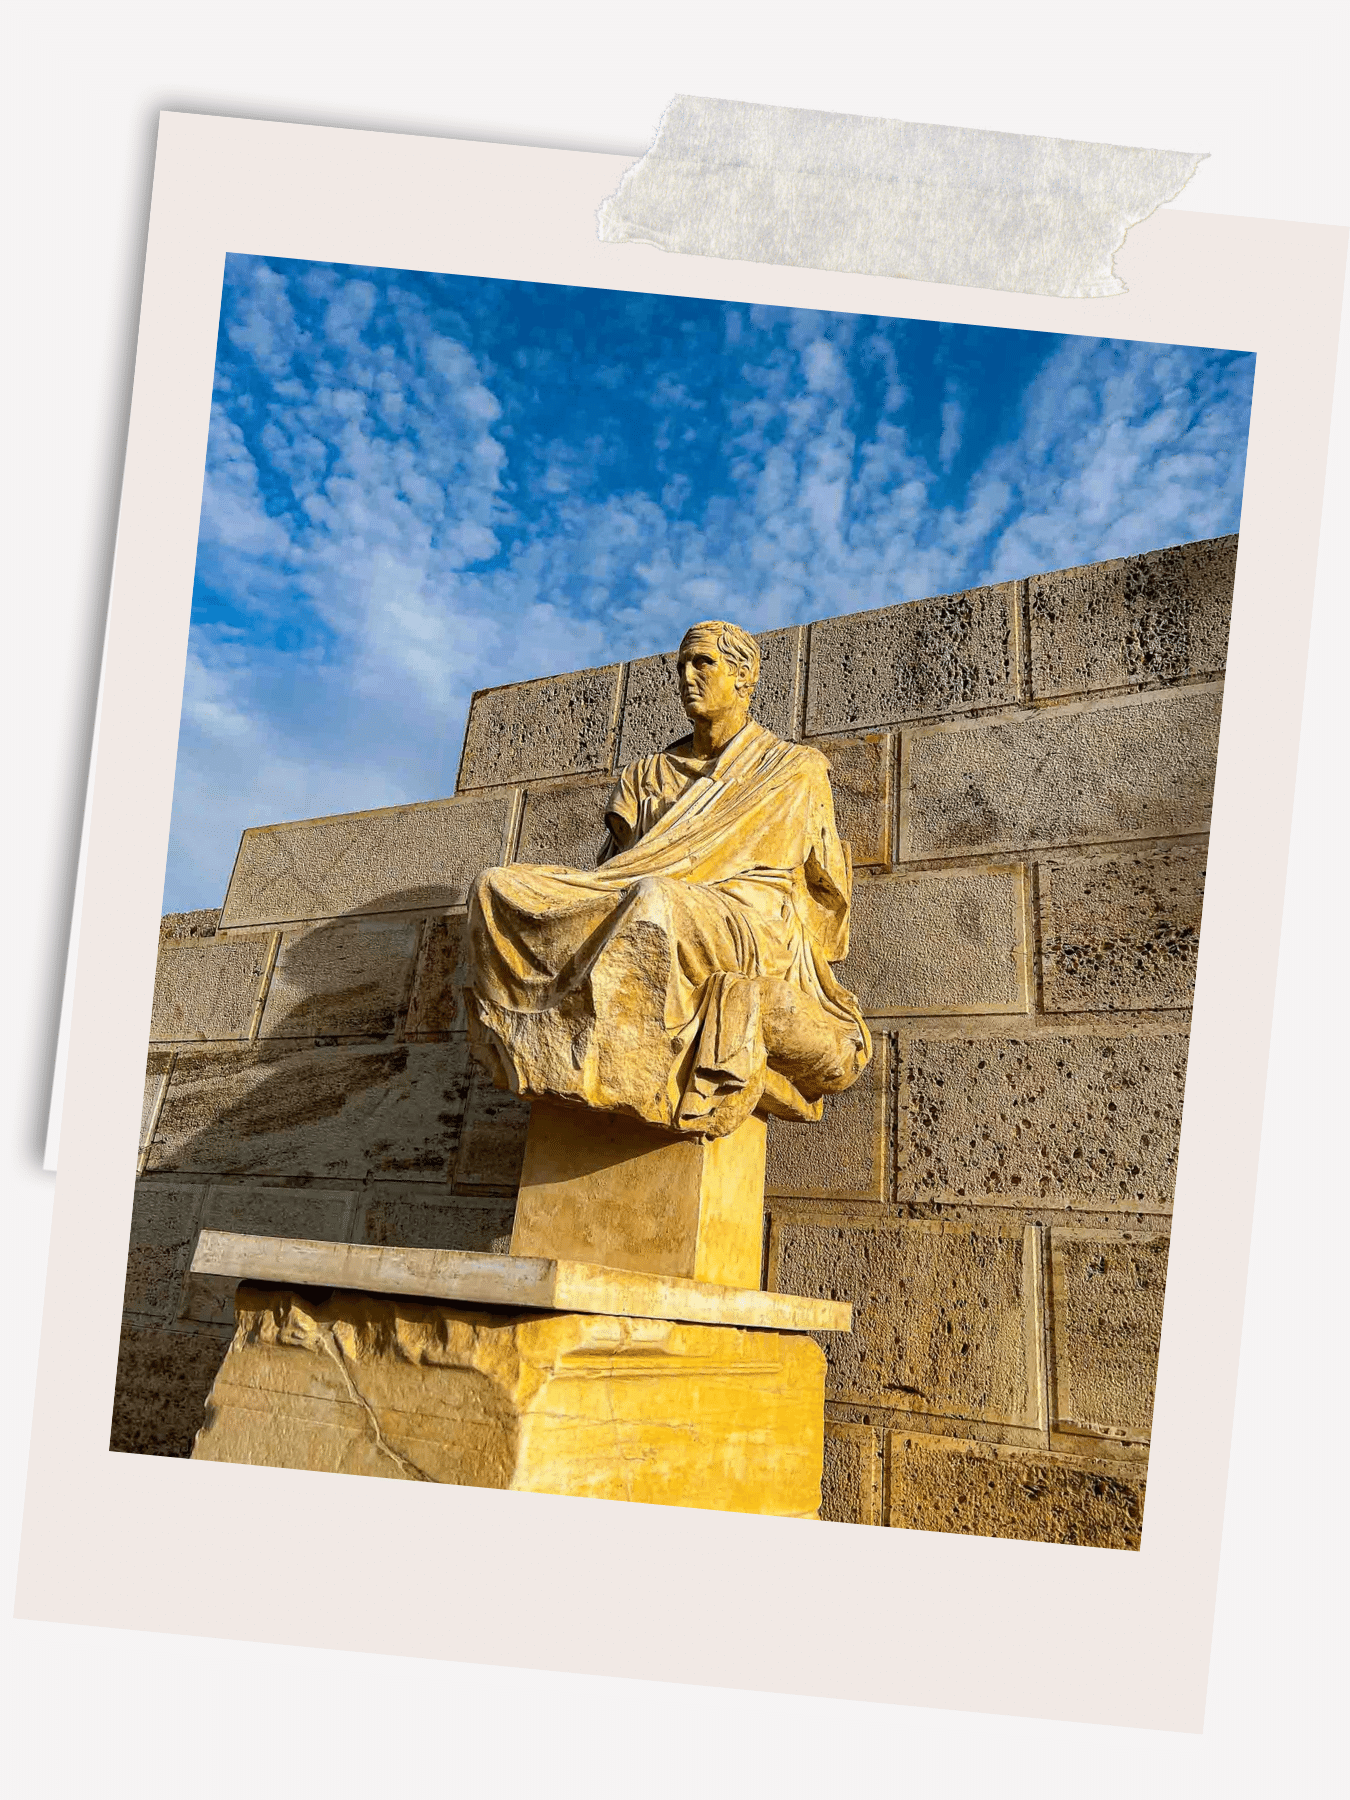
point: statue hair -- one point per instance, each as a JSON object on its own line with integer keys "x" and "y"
{"x": 736, "y": 645}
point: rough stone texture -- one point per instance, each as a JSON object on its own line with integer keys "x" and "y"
{"x": 944, "y": 1316}
{"x": 157, "y": 1066}
{"x": 394, "y": 1214}
{"x": 163, "y": 1231}
{"x": 562, "y": 725}
{"x": 348, "y": 1112}
{"x": 399, "y": 859}
{"x": 653, "y": 717}
{"x": 1121, "y": 931}
{"x": 1139, "y": 619}
{"x": 1127, "y": 769}
{"x": 436, "y": 1006}
{"x": 564, "y": 825}
{"x": 207, "y": 988}
{"x": 1090, "y": 1121}
{"x": 164, "y": 1374}
{"x": 188, "y": 927}
{"x": 993, "y": 1490}
{"x": 860, "y": 774}
{"x": 1106, "y": 1302}
{"x": 850, "y": 1491}
{"x": 344, "y": 978}
{"x": 491, "y": 1138}
{"x": 913, "y": 661}
{"x": 939, "y": 942}
{"x": 293, "y": 1212}
{"x": 844, "y": 1157}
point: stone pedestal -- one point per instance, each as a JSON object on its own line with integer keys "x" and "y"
{"x": 601, "y": 1188}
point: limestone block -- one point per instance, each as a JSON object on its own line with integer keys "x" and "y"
{"x": 860, "y": 774}
{"x": 1139, "y": 619}
{"x": 653, "y": 717}
{"x": 850, "y": 1487}
{"x": 994, "y": 1490}
{"x": 1121, "y": 931}
{"x": 945, "y": 941}
{"x": 303, "y": 1212}
{"x": 208, "y": 988}
{"x": 346, "y": 1112}
{"x": 394, "y": 1214}
{"x": 164, "y": 1221}
{"x": 157, "y": 1066}
{"x": 603, "y": 1188}
{"x": 564, "y": 825}
{"x": 946, "y": 1318}
{"x": 344, "y": 978}
{"x": 845, "y": 1155}
{"x": 396, "y": 859}
{"x": 164, "y": 1374}
{"x": 436, "y": 1006}
{"x": 1106, "y": 1302}
{"x": 491, "y": 1138}
{"x": 187, "y": 927}
{"x": 1118, "y": 769}
{"x": 531, "y": 730}
{"x": 917, "y": 660}
{"x": 568, "y": 1403}
{"x": 1088, "y": 1121}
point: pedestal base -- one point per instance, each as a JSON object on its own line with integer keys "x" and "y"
{"x": 559, "y": 1403}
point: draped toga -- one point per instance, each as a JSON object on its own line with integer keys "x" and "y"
{"x": 644, "y": 986}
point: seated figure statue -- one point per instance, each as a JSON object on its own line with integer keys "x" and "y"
{"x": 686, "y": 981}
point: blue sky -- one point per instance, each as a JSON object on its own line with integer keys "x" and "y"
{"x": 418, "y": 485}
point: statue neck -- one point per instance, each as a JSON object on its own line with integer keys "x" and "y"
{"x": 712, "y": 735}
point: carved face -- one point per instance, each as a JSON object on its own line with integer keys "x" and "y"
{"x": 707, "y": 680}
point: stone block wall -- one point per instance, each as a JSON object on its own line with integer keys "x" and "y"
{"x": 1024, "y": 773}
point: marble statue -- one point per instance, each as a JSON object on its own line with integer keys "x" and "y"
{"x": 686, "y": 981}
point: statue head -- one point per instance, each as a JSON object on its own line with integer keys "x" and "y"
{"x": 718, "y": 665}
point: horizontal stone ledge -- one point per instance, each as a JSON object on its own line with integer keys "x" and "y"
{"x": 520, "y": 1281}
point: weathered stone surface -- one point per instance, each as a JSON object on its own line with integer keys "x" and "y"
{"x": 293, "y": 1212}
{"x": 1090, "y": 1121}
{"x": 188, "y": 927}
{"x": 1121, "y": 931}
{"x": 164, "y": 1374}
{"x": 163, "y": 1229}
{"x": 157, "y": 1066}
{"x": 945, "y": 1317}
{"x": 845, "y": 1155}
{"x": 349, "y": 1112}
{"x": 1121, "y": 769}
{"x": 992, "y": 1490}
{"x": 850, "y": 1489}
{"x": 207, "y": 988}
{"x": 394, "y": 1214}
{"x": 360, "y": 1384}
{"x": 939, "y": 942}
{"x": 436, "y": 1005}
{"x": 860, "y": 774}
{"x": 1139, "y": 619}
{"x": 531, "y": 730}
{"x": 917, "y": 660}
{"x": 1106, "y": 1302}
{"x": 398, "y": 859}
{"x": 491, "y": 1138}
{"x": 344, "y": 978}
{"x": 653, "y": 717}
{"x": 565, "y": 825}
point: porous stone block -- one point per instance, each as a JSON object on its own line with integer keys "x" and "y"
{"x": 157, "y": 1066}
{"x": 344, "y": 978}
{"x": 610, "y": 1408}
{"x": 436, "y": 1005}
{"x": 405, "y": 1216}
{"x": 207, "y": 988}
{"x": 1106, "y": 1302}
{"x": 1090, "y": 1121}
{"x": 940, "y": 942}
{"x": 1136, "y": 620}
{"x": 1120, "y": 932}
{"x": 850, "y": 1487}
{"x": 491, "y": 1138}
{"x": 917, "y": 660}
{"x": 994, "y": 1490}
{"x": 845, "y": 1155}
{"x": 1118, "y": 769}
{"x": 598, "y": 1187}
{"x": 653, "y": 717}
{"x": 164, "y": 1374}
{"x": 303, "y": 1212}
{"x": 397, "y": 859}
{"x": 164, "y": 1221}
{"x": 564, "y": 825}
{"x": 188, "y": 927}
{"x": 860, "y": 775}
{"x": 531, "y": 730}
{"x": 345, "y": 1112}
{"x": 946, "y": 1318}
